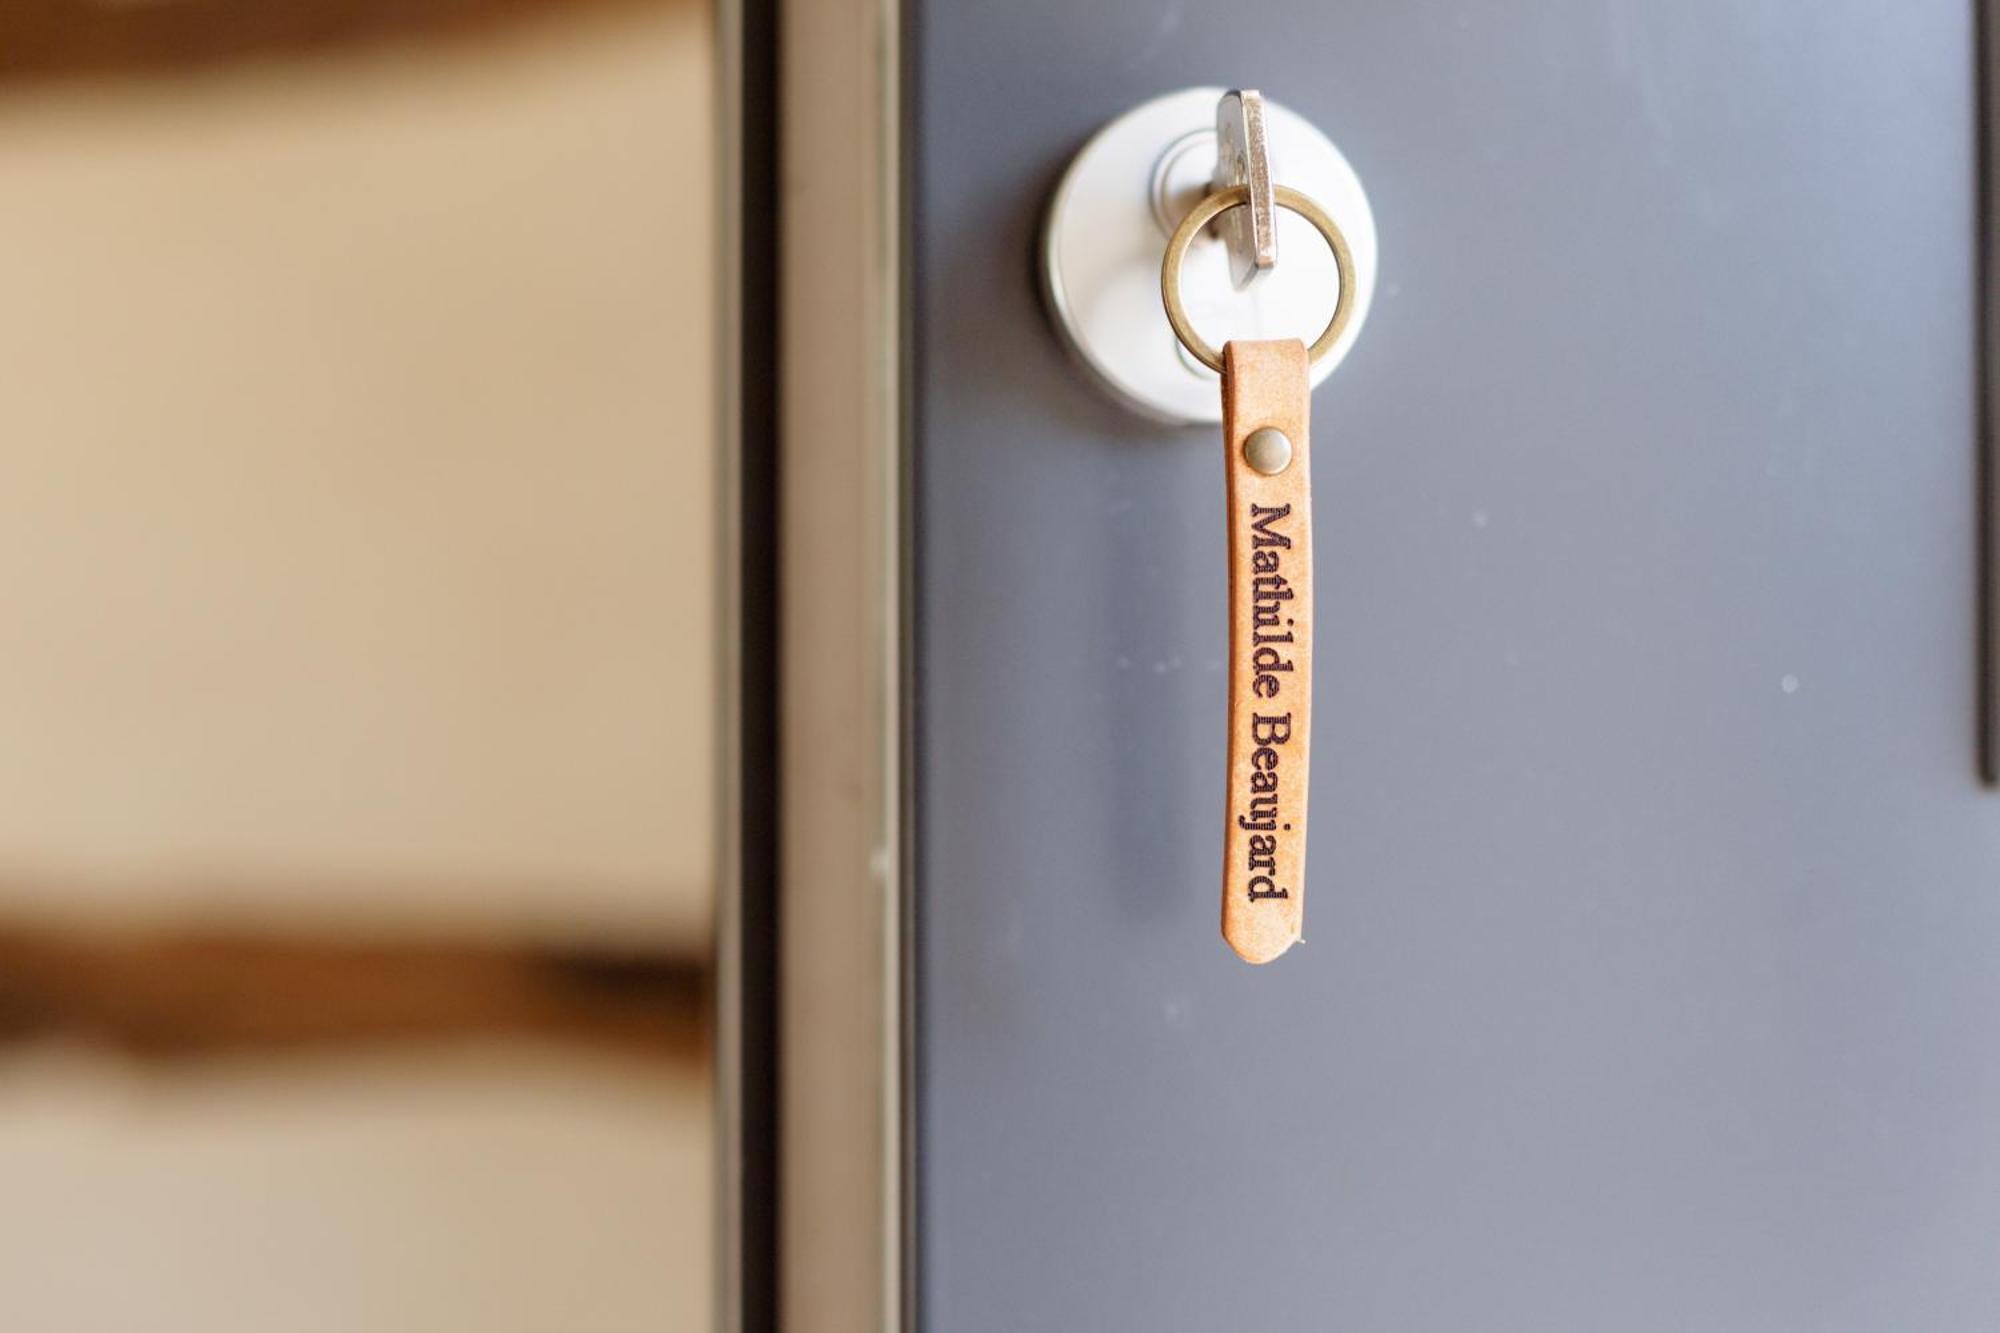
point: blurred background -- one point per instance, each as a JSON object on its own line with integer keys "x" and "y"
{"x": 357, "y": 548}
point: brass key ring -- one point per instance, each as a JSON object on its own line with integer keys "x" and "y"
{"x": 1205, "y": 212}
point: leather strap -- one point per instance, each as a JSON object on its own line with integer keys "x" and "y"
{"x": 1265, "y": 385}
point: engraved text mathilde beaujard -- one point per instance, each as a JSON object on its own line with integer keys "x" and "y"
{"x": 1270, "y": 722}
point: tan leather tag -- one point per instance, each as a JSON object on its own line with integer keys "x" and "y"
{"x": 1266, "y": 402}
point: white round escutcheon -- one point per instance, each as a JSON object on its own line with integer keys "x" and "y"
{"x": 1107, "y": 230}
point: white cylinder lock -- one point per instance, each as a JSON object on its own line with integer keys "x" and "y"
{"x": 1125, "y": 193}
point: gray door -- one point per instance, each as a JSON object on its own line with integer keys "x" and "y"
{"x": 1652, "y": 965}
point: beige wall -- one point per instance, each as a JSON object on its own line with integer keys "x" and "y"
{"x": 356, "y": 489}
{"x": 520, "y": 1190}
